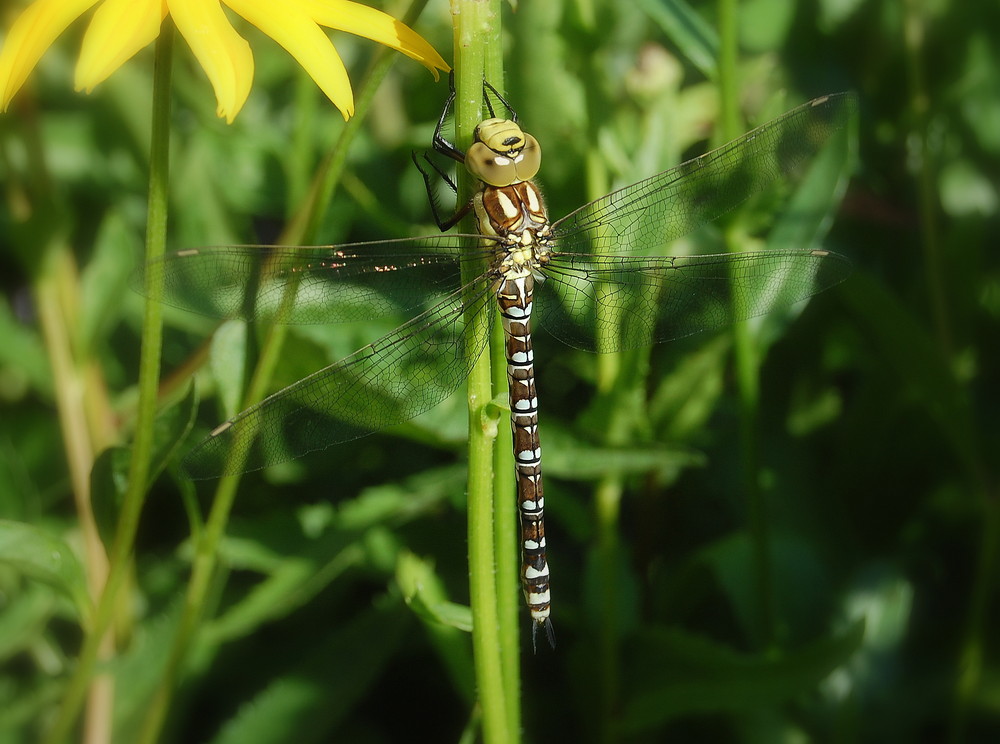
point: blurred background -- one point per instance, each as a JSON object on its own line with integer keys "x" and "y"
{"x": 873, "y": 454}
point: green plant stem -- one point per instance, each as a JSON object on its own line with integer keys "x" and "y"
{"x": 57, "y": 282}
{"x": 745, "y": 350}
{"x": 506, "y": 532}
{"x": 934, "y": 263}
{"x": 969, "y": 675}
{"x": 478, "y": 57}
{"x": 609, "y": 490}
{"x": 507, "y": 540}
{"x": 607, "y": 516}
{"x": 299, "y": 166}
{"x": 619, "y": 380}
{"x": 974, "y": 641}
{"x": 149, "y": 367}
{"x": 55, "y": 296}
{"x": 301, "y": 229}
{"x": 728, "y": 80}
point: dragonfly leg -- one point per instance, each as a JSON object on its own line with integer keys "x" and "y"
{"x": 495, "y": 92}
{"x": 439, "y": 143}
{"x": 443, "y": 223}
{"x": 445, "y": 146}
{"x": 449, "y": 149}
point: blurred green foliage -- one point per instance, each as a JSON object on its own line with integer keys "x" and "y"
{"x": 876, "y": 436}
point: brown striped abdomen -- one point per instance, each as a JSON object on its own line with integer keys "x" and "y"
{"x": 515, "y": 297}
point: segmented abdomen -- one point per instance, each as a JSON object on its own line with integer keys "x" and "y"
{"x": 514, "y": 297}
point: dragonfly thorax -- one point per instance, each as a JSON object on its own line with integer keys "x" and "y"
{"x": 524, "y": 260}
{"x": 514, "y": 213}
{"x": 501, "y": 154}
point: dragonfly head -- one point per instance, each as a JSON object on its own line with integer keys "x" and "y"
{"x": 502, "y": 154}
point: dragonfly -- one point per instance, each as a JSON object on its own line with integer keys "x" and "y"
{"x": 597, "y": 276}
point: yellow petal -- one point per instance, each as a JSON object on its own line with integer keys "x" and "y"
{"x": 118, "y": 30}
{"x": 223, "y": 54}
{"x": 32, "y": 33}
{"x": 303, "y": 39}
{"x": 375, "y": 25}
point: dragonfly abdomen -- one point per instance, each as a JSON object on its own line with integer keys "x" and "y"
{"x": 514, "y": 297}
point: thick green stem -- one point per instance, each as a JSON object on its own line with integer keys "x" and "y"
{"x": 495, "y": 648}
{"x": 506, "y": 534}
{"x": 507, "y": 540}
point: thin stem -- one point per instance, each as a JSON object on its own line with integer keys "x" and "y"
{"x": 974, "y": 641}
{"x": 607, "y": 497}
{"x": 607, "y": 516}
{"x": 55, "y": 293}
{"x": 300, "y": 152}
{"x": 56, "y": 302}
{"x": 934, "y": 263}
{"x": 728, "y": 82}
{"x": 81, "y": 405}
{"x": 477, "y": 57}
{"x": 149, "y": 368}
{"x": 300, "y": 230}
{"x": 969, "y": 676}
{"x": 746, "y": 354}
{"x": 507, "y": 539}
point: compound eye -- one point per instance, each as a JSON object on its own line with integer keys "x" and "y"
{"x": 491, "y": 167}
{"x": 529, "y": 160}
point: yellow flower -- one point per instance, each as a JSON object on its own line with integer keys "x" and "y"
{"x": 120, "y": 28}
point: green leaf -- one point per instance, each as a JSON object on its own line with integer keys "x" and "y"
{"x": 24, "y": 703}
{"x": 38, "y": 555}
{"x": 695, "y": 38}
{"x": 318, "y": 693}
{"x": 140, "y": 668}
{"x": 764, "y": 24}
{"x": 104, "y": 280}
{"x": 425, "y": 594}
{"x": 23, "y": 619}
{"x": 108, "y": 481}
{"x": 571, "y": 458}
{"x": 904, "y": 345}
{"x": 171, "y": 428}
{"x": 23, "y": 364}
{"x": 967, "y": 190}
{"x": 399, "y": 503}
{"x": 684, "y": 400}
{"x": 293, "y": 583}
{"x": 794, "y": 565}
{"x": 109, "y": 475}
{"x": 805, "y": 219}
{"x": 683, "y": 674}
{"x": 321, "y": 559}
{"x": 445, "y": 622}
{"x": 227, "y": 363}
{"x": 810, "y": 211}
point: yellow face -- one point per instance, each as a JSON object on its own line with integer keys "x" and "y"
{"x": 502, "y": 154}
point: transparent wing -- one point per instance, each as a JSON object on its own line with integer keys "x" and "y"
{"x": 391, "y": 380}
{"x": 320, "y": 284}
{"x": 653, "y": 212}
{"x": 610, "y": 303}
